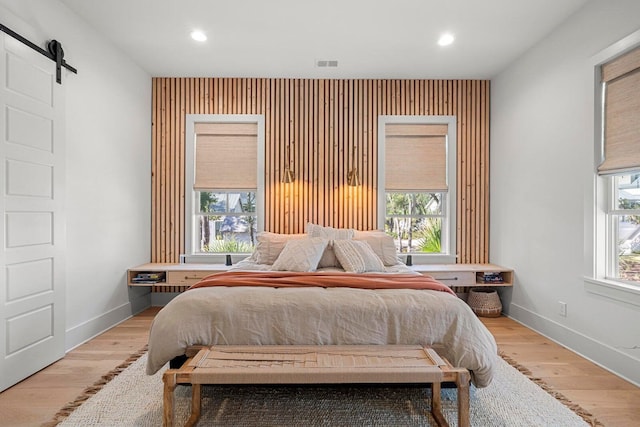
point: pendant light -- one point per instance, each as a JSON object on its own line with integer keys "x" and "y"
{"x": 288, "y": 176}
{"x": 353, "y": 178}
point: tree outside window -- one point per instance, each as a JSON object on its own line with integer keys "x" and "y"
{"x": 415, "y": 220}
{"x": 227, "y": 222}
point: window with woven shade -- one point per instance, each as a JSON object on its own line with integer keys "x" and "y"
{"x": 223, "y": 183}
{"x": 618, "y": 200}
{"x": 621, "y": 114}
{"x": 416, "y": 157}
{"x": 417, "y": 171}
{"x": 226, "y": 156}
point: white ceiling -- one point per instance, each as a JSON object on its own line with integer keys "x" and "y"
{"x": 285, "y": 38}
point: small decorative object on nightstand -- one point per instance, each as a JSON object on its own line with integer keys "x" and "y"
{"x": 409, "y": 261}
{"x": 228, "y": 262}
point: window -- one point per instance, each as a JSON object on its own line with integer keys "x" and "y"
{"x": 623, "y": 228}
{"x": 415, "y": 221}
{"x": 620, "y": 166}
{"x": 614, "y": 238}
{"x": 227, "y": 222}
{"x": 223, "y": 184}
{"x": 418, "y": 168}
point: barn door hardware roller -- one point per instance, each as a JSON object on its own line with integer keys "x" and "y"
{"x": 55, "y": 49}
{"x": 54, "y": 52}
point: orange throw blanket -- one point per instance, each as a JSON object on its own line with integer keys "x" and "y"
{"x": 288, "y": 279}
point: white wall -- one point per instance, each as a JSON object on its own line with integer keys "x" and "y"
{"x": 108, "y": 145}
{"x": 541, "y": 157}
{"x": 542, "y": 145}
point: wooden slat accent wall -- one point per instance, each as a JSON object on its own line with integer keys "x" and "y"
{"x": 322, "y": 119}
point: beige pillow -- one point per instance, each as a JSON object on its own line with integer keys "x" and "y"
{"x": 382, "y": 244}
{"x": 300, "y": 254}
{"x": 314, "y": 230}
{"x": 357, "y": 256}
{"x": 329, "y": 257}
{"x": 271, "y": 244}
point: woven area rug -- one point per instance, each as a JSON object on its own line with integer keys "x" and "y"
{"x": 132, "y": 398}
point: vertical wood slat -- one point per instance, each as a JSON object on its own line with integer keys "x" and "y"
{"x": 155, "y": 235}
{"x": 322, "y": 119}
{"x": 163, "y": 169}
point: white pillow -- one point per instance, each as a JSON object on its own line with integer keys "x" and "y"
{"x": 357, "y": 256}
{"x": 382, "y": 244}
{"x": 329, "y": 257}
{"x": 301, "y": 255}
{"x": 271, "y": 244}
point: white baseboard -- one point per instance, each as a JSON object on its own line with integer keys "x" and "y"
{"x": 601, "y": 354}
{"x": 85, "y": 331}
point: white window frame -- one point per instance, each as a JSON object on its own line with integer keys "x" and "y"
{"x": 449, "y": 209}
{"x": 191, "y": 204}
{"x": 598, "y": 222}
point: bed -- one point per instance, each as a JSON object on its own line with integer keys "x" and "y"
{"x": 324, "y": 287}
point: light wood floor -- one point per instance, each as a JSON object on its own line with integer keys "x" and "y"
{"x": 35, "y": 401}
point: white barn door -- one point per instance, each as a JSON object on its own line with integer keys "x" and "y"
{"x": 32, "y": 297}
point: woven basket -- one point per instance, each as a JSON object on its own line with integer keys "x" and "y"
{"x": 485, "y": 302}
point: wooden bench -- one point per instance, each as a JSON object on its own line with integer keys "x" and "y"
{"x": 317, "y": 365}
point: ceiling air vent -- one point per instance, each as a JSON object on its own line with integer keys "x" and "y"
{"x": 326, "y": 63}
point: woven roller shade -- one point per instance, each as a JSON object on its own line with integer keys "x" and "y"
{"x": 226, "y": 156}
{"x": 622, "y": 114}
{"x": 416, "y": 157}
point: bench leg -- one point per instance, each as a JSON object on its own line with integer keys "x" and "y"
{"x": 169, "y": 379}
{"x": 462, "y": 382}
{"x": 196, "y": 405}
{"x": 436, "y": 405}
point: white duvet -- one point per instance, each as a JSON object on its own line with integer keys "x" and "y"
{"x": 317, "y": 316}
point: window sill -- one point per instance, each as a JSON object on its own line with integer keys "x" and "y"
{"x": 614, "y": 290}
{"x": 212, "y": 258}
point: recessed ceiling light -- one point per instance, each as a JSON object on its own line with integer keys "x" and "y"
{"x": 446, "y": 39}
{"x": 198, "y": 36}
